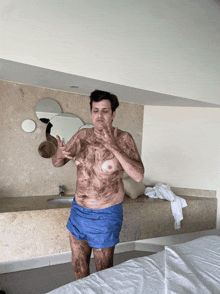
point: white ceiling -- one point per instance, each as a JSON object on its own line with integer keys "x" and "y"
{"x": 36, "y": 76}
{"x": 147, "y": 52}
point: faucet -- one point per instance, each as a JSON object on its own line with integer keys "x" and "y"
{"x": 61, "y": 191}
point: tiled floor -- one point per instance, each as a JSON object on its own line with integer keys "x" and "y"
{"x": 45, "y": 279}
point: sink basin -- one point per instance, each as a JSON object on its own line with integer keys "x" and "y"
{"x": 61, "y": 200}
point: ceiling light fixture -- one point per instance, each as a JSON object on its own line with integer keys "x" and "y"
{"x": 74, "y": 87}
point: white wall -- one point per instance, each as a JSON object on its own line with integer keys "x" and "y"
{"x": 169, "y": 47}
{"x": 181, "y": 147}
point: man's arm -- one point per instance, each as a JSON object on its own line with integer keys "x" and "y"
{"x": 127, "y": 155}
{"x": 65, "y": 153}
{"x": 129, "y": 158}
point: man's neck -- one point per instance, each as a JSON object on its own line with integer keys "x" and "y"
{"x": 100, "y": 131}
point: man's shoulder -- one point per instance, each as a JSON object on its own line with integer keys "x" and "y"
{"x": 123, "y": 134}
{"x": 84, "y": 133}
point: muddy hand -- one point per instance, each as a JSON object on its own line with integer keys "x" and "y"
{"x": 108, "y": 138}
{"x": 61, "y": 150}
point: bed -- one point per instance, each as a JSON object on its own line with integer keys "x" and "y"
{"x": 191, "y": 267}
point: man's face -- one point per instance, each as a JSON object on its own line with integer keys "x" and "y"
{"x": 101, "y": 114}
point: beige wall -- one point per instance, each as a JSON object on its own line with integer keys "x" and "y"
{"x": 180, "y": 147}
{"x": 23, "y": 171}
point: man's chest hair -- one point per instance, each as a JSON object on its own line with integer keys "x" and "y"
{"x": 94, "y": 152}
{"x": 94, "y": 157}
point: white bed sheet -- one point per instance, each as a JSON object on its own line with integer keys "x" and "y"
{"x": 130, "y": 277}
{"x": 191, "y": 267}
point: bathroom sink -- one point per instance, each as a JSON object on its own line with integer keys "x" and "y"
{"x": 61, "y": 200}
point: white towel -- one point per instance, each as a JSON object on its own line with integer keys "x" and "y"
{"x": 177, "y": 203}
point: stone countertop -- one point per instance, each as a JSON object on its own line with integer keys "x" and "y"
{"x": 29, "y": 203}
{"x": 15, "y": 204}
{"x": 143, "y": 198}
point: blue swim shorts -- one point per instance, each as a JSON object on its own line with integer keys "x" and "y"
{"x": 100, "y": 227}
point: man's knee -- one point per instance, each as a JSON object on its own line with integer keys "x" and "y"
{"x": 81, "y": 253}
{"x": 103, "y": 258}
{"x": 102, "y": 263}
{"x": 80, "y": 265}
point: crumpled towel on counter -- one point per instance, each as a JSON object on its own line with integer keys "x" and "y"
{"x": 177, "y": 203}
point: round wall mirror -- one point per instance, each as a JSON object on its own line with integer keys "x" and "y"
{"x": 65, "y": 125}
{"x": 28, "y": 125}
{"x": 46, "y": 109}
{"x": 86, "y": 126}
{"x": 47, "y": 149}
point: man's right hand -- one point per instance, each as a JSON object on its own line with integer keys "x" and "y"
{"x": 61, "y": 150}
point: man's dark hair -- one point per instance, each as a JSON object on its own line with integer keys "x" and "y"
{"x": 99, "y": 95}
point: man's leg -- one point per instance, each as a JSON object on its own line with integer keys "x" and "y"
{"x": 103, "y": 258}
{"x": 81, "y": 253}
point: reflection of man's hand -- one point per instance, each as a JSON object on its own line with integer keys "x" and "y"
{"x": 61, "y": 150}
{"x": 108, "y": 138}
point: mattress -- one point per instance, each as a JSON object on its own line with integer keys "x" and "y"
{"x": 191, "y": 267}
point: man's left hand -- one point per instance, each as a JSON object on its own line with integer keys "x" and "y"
{"x": 108, "y": 138}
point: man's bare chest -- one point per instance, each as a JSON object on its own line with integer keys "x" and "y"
{"x": 95, "y": 156}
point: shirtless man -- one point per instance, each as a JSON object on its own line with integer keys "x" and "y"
{"x": 102, "y": 155}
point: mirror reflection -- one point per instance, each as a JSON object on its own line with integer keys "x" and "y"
{"x": 65, "y": 125}
{"x": 86, "y": 126}
{"x": 28, "y": 125}
{"x": 46, "y": 109}
{"x": 47, "y": 149}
